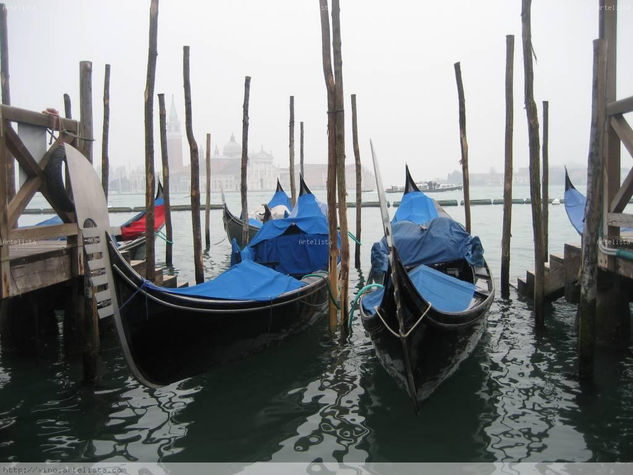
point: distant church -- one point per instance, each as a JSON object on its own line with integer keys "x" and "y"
{"x": 225, "y": 167}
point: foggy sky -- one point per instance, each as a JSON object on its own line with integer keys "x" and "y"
{"x": 397, "y": 57}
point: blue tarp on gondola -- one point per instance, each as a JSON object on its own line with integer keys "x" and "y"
{"x": 575, "y": 206}
{"x": 297, "y": 244}
{"x": 247, "y": 280}
{"x": 416, "y": 207}
{"x": 444, "y": 240}
{"x": 445, "y": 293}
{"x": 280, "y": 198}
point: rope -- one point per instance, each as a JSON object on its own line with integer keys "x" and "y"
{"x": 163, "y": 237}
{"x": 354, "y": 306}
{"x": 329, "y": 289}
{"x": 403, "y": 335}
{"x": 143, "y": 285}
{"x": 354, "y": 238}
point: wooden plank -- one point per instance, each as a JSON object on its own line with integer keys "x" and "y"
{"x": 622, "y": 197}
{"x": 624, "y": 131}
{"x": 40, "y": 233}
{"x": 29, "y": 276}
{"x": 620, "y": 107}
{"x": 620, "y": 220}
{"x": 15, "y": 114}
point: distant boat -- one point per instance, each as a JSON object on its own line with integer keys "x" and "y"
{"x": 278, "y": 207}
{"x": 426, "y": 186}
{"x": 437, "y": 290}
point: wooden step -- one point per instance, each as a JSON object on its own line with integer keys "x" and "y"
{"x": 170, "y": 281}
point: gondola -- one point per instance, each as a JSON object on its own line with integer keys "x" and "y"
{"x": 575, "y": 203}
{"x": 276, "y": 286}
{"x": 437, "y": 290}
{"x": 279, "y": 203}
{"x": 131, "y": 236}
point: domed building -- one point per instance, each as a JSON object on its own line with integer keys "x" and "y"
{"x": 226, "y": 168}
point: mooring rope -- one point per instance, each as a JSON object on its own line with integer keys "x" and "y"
{"x": 329, "y": 289}
{"x": 354, "y": 306}
{"x": 143, "y": 285}
{"x": 402, "y": 335}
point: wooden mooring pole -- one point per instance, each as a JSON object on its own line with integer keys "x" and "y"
{"x": 152, "y": 53}
{"x": 331, "y": 167}
{"x": 88, "y": 319}
{"x": 463, "y": 143}
{"x": 244, "y": 166}
{"x": 291, "y": 152}
{"x": 589, "y": 268}
{"x": 301, "y": 149}
{"x": 68, "y": 110}
{"x": 207, "y": 201}
{"x": 507, "y": 182}
{"x": 339, "y": 104}
{"x": 165, "y": 162}
{"x": 195, "y": 173}
{"x": 359, "y": 186}
{"x": 6, "y": 90}
{"x": 85, "y": 108}
{"x": 535, "y": 176}
{"x": 545, "y": 178}
{"x": 105, "y": 161}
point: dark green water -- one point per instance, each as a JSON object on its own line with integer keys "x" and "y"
{"x": 315, "y": 397}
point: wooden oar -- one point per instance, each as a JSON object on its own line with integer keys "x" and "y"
{"x": 394, "y": 278}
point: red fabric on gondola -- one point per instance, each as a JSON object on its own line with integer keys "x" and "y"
{"x": 137, "y": 228}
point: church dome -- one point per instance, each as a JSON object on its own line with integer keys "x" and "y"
{"x": 232, "y": 149}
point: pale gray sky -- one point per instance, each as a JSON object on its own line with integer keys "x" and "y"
{"x": 397, "y": 57}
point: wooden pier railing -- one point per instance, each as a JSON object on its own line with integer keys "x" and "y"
{"x": 28, "y": 259}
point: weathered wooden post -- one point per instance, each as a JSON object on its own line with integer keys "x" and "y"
{"x": 507, "y": 183}
{"x": 152, "y": 53}
{"x": 244, "y": 169}
{"x": 589, "y": 268}
{"x": 6, "y": 91}
{"x": 88, "y": 319}
{"x": 207, "y": 201}
{"x": 301, "y": 149}
{"x": 105, "y": 161}
{"x": 545, "y": 178}
{"x": 85, "y": 109}
{"x": 195, "y": 174}
{"x": 291, "y": 151}
{"x": 359, "y": 186}
{"x": 535, "y": 176}
{"x": 339, "y": 104}
{"x": 331, "y": 168}
{"x": 165, "y": 161}
{"x": 463, "y": 143}
{"x": 68, "y": 110}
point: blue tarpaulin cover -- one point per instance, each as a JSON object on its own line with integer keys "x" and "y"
{"x": 575, "y": 206}
{"x": 417, "y": 207}
{"x": 247, "y": 280}
{"x": 280, "y": 198}
{"x": 297, "y": 244}
{"x": 443, "y": 240}
{"x": 444, "y": 292}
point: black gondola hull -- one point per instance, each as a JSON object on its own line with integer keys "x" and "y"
{"x": 437, "y": 344}
{"x": 172, "y": 337}
{"x": 233, "y": 227}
